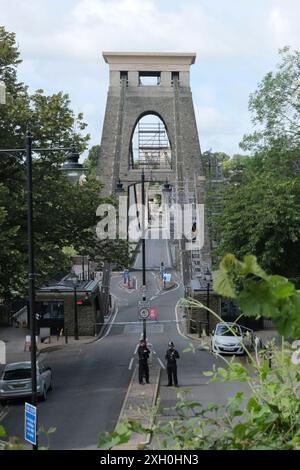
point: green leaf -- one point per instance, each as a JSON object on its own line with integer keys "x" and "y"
{"x": 253, "y": 405}
{"x": 223, "y": 285}
{"x": 281, "y": 287}
{"x": 250, "y": 266}
{"x": 208, "y": 373}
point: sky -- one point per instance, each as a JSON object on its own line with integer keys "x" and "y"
{"x": 236, "y": 41}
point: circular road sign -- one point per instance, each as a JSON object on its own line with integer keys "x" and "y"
{"x": 144, "y": 313}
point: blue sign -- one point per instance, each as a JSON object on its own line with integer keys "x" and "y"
{"x": 30, "y": 423}
{"x": 167, "y": 277}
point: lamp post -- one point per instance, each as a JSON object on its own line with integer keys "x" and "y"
{"x": 208, "y": 278}
{"x": 167, "y": 187}
{"x": 119, "y": 190}
{"x": 31, "y": 269}
{"x": 143, "y": 248}
{"x": 74, "y": 279}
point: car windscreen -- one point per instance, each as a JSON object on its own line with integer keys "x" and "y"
{"x": 17, "y": 374}
{"x": 224, "y": 330}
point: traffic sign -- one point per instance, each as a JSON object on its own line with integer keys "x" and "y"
{"x": 144, "y": 313}
{"x": 30, "y": 423}
{"x": 144, "y": 303}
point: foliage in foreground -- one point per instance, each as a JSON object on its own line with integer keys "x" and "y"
{"x": 260, "y": 294}
{"x": 267, "y": 415}
{"x": 269, "y": 419}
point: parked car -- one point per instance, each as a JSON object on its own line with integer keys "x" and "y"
{"x": 230, "y": 338}
{"x": 16, "y": 380}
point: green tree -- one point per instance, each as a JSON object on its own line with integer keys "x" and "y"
{"x": 90, "y": 163}
{"x": 275, "y": 106}
{"x": 262, "y": 196}
{"x": 64, "y": 214}
{"x": 262, "y": 216}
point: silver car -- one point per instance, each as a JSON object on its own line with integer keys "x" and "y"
{"x": 16, "y": 381}
{"x": 231, "y": 338}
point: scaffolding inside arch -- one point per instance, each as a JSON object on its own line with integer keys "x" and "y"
{"x": 151, "y": 147}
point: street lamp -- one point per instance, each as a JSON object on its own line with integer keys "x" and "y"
{"x": 74, "y": 279}
{"x": 119, "y": 188}
{"x": 208, "y": 278}
{"x": 143, "y": 248}
{"x": 167, "y": 187}
{"x": 31, "y": 271}
{"x": 71, "y": 167}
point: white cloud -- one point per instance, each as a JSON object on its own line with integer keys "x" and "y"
{"x": 283, "y": 24}
{"x": 61, "y": 44}
{"x": 210, "y": 120}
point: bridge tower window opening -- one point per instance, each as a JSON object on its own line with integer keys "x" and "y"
{"x": 149, "y": 78}
{"x": 150, "y": 146}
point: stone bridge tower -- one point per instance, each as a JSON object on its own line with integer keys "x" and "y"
{"x": 143, "y": 85}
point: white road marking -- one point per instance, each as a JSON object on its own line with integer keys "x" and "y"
{"x": 160, "y": 363}
{"x": 109, "y": 328}
{"x": 131, "y": 362}
{"x": 159, "y": 293}
{"x": 134, "y": 353}
{"x": 177, "y": 321}
{"x": 159, "y": 360}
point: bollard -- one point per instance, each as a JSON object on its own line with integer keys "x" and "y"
{"x": 66, "y": 335}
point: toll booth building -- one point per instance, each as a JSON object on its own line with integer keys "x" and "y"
{"x": 56, "y": 306}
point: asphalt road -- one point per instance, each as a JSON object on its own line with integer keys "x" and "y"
{"x": 90, "y": 381}
{"x": 157, "y": 250}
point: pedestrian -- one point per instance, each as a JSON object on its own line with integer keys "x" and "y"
{"x": 161, "y": 270}
{"x": 125, "y": 276}
{"x": 171, "y": 357}
{"x": 143, "y": 353}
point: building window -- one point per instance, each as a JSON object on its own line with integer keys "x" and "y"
{"x": 52, "y": 310}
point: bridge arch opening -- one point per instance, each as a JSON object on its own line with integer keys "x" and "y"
{"x": 150, "y": 146}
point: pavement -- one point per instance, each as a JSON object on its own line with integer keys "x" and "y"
{"x": 14, "y": 339}
{"x": 139, "y": 405}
